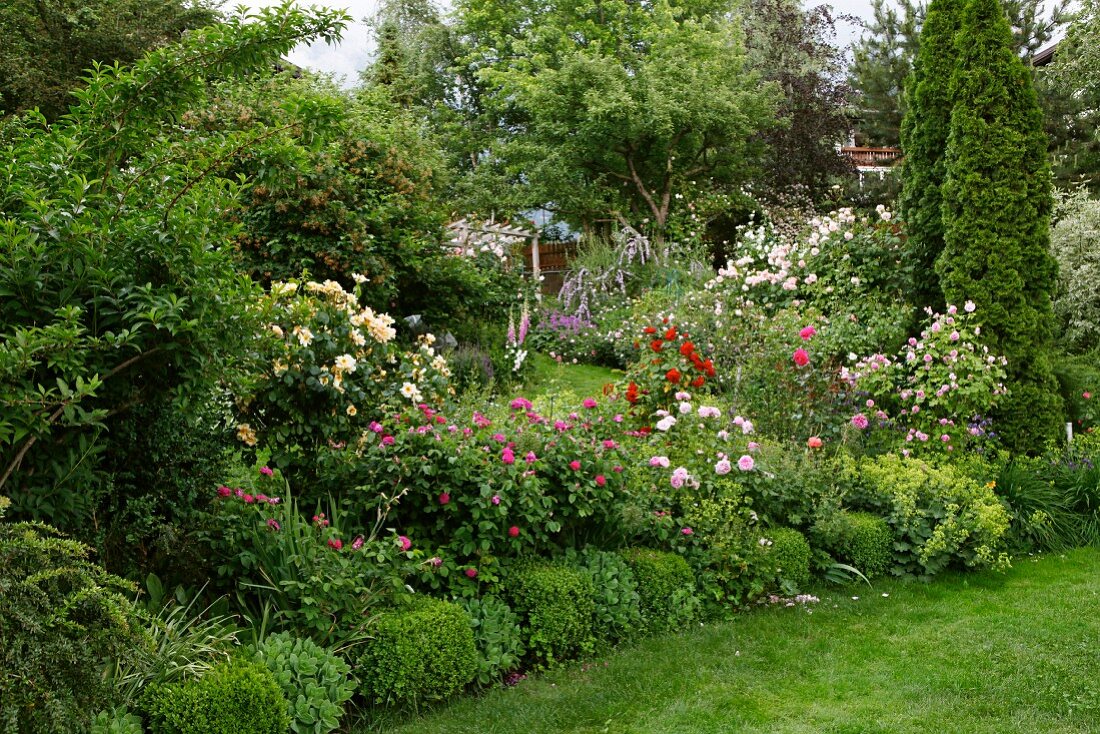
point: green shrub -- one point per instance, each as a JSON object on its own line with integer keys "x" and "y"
{"x": 236, "y": 697}
{"x": 497, "y": 635}
{"x": 666, "y": 587}
{"x": 618, "y": 606}
{"x": 939, "y": 515}
{"x": 558, "y": 607}
{"x": 116, "y": 721}
{"x": 62, "y": 620}
{"x": 422, "y": 653}
{"x": 790, "y": 551}
{"x": 316, "y": 682}
{"x": 866, "y": 543}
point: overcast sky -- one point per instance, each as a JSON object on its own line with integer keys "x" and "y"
{"x": 348, "y": 58}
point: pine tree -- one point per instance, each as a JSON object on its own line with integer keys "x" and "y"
{"x": 924, "y": 133}
{"x": 996, "y": 217}
{"x": 882, "y": 60}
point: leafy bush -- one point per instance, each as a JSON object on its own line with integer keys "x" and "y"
{"x": 1043, "y": 514}
{"x": 498, "y": 636}
{"x": 423, "y": 653}
{"x": 62, "y": 620}
{"x": 866, "y": 543}
{"x": 558, "y": 607}
{"x": 939, "y": 515}
{"x": 618, "y": 610}
{"x": 1073, "y": 242}
{"x": 790, "y": 551}
{"x": 666, "y": 588}
{"x": 317, "y": 683}
{"x": 116, "y": 721}
{"x": 236, "y": 697}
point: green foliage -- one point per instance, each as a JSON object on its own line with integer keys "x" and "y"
{"x": 236, "y": 697}
{"x": 49, "y": 45}
{"x": 424, "y": 653}
{"x": 939, "y": 515}
{"x": 317, "y": 683}
{"x": 727, "y": 560}
{"x": 790, "y": 551}
{"x": 1043, "y": 516}
{"x": 996, "y": 219}
{"x": 1073, "y": 243}
{"x": 866, "y": 542}
{"x": 666, "y": 587}
{"x": 924, "y": 131}
{"x": 118, "y": 288}
{"x": 611, "y": 111}
{"x": 498, "y": 636}
{"x": 62, "y": 621}
{"x": 882, "y": 60}
{"x": 615, "y": 592}
{"x": 558, "y": 607}
{"x": 116, "y": 721}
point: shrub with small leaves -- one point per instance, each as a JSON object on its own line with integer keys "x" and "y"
{"x": 317, "y": 683}
{"x": 558, "y": 607}
{"x": 791, "y": 553}
{"x": 116, "y": 721}
{"x": 866, "y": 542}
{"x": 666, "y": 587}
{"x": 236, "y": 697}
{"x": 421, "y": 653}
{"x": 618, "y": 606}
{"x": 497, "y": 635}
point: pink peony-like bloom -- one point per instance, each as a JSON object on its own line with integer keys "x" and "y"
{"x": 609, "y": 444}
{"x": 375, "y": 426}
{"x": 336, "y": 544}
{"x": 618, "y": 418}
{"x": 357, "y": 543}
{"x": 661, "y": 461}
{"x": 746, "y": 463}
{"x": 687, "y": 531}
{"x": 601, "y": 480}
{"x": 273, "y": 524}
{"x": 248, "y": 499}
{"x": 508, "y": 457}
{"x": 969, "y": 307}
{"x": 471, "y": 573}
{"x": 1086, "y": 395}
{"x": 404, "y": 542}
{"x": 499, "y": 437}
{"x": 575, "y": 465}
{"x": 860, "y": 421}
{"x": 589, "y": 403}
{"x": 800, "y": 357}
{"x": 530, "y": 458}
{"x": 814, "y": 442}
{"x": 495, "y": 499}
{"x": 723, "y": 467}
{"x": 224, "y": 491}
{"x": 266, "y": 471}
{"x": 387, "y": 440}
{"x": 679, "y": 477}
{"x": 444, "y": 498}
{"x": 946, "y": 438}
{"x": 807, "y": 333}
{"x": 521, "y": 404}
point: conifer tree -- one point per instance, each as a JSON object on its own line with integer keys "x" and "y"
{"x": 924, "y": 131}
{"x": 996, "y": 217}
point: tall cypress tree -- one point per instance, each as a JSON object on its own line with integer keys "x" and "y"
{"x": 996, "y": 218}
{"x": 924, "y": 131}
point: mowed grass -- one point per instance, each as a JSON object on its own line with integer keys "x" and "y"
{"x": 583, "y": 380}
{"x": 996, "y": 653}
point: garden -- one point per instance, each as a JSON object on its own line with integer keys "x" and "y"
{"x": 285, "y": 448}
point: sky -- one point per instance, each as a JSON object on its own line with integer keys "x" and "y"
{"x": 352, "y": 54}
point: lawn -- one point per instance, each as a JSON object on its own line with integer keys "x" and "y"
{"x": 1013, "y": 652}
{"x": 548, "y": 377}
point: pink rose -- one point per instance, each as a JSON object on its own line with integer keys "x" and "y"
{"x": 266, "y": 471}
{"x": 224, "y": 491}
{"x": 471, "y": 573}
{"x": 404, "y": 542}
{"x": 496, "y": 499}
{"x": 687, "y": 531}
{"x": 589, "y": 403}
{"x": 746, "y": 463}
{"x": 513, "y": 531}
{"x": 387, "y": 440}
{"x": 336, "y": 544}
{"x": 807, "y": 332}
{"x": 601, "y": 480}
{"x": 575, "y": 465}
{"x": 800, "y": 357}
{"x": 508, "y": 457}
{"x": 444, "y": 498}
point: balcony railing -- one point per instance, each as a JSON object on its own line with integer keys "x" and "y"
{"x": 874, "y": 157}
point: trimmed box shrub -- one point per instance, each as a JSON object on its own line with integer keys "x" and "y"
{"x": 558, "y": 608}
{"x": 867, "y": 543}
{"x": 235, "y": 697}
{"x": 791, "y": 553}
{"x": 316, "y": 682}
{"x": 422, "y": 653}
{"x": 666, "y": 588}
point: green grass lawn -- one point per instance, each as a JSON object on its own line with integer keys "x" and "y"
{"x": 1013, "y": 652}
{"x": 584, "y": 380}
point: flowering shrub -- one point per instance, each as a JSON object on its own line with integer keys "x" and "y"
{"x": 567, "y": 338}
{"x": 936, "y": 390}
{"x": 320, "y": 576}
{"x": 478, "y": 489}
{"x": 668, "y": 362}
{"x": 332, "y": 364}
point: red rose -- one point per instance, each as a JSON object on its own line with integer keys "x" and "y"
{"x": 708, "y": 366}
{"x": 632, "y": 393}
{"x": 444, "y": 498}
{"x": 656, "y": 345}
{"x": 687, "y": 348}
{"x": 673, "y": 375}
{"x": 698, "y": 381}
{"x": 670, "y": 334}
{"x": 650, "y": 330}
